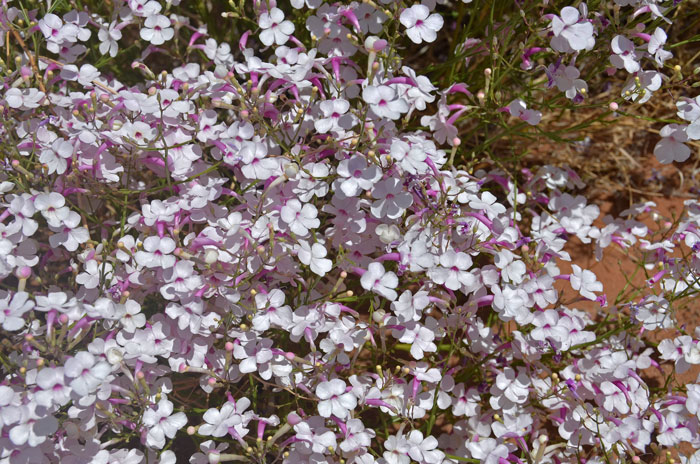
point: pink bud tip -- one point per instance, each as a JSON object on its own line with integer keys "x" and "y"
{"x": 211, "y": 381}
{"x": 293, "y": 418}
{"x": 15, "y": 163}
{"x": 63, "y": 319}
{"x": 229, "y": 346}
{"x": 456, "y": 142}
{"x": 614, "y": 106}
{"x": 191, "y": 430}
{"x": 24, "y": 272}
{"x": 140, "y": 375}
{"x": 289, "y": 355}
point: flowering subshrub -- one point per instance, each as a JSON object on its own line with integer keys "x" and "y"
{"x": 276, "y": 232}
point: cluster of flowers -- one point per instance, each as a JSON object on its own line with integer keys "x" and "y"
{"x": 249, "y": 257}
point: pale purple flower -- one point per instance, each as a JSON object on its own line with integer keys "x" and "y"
{"x": 672, "y": 148}
{"x": 518, "y": 109}
{"x": 392, "y": 199}
{"x": 357, "y": 175}
{"x": 625, "y": 54}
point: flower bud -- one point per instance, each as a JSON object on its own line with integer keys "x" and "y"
{"x": 293, "y": 418}
{"x": 114, "y": 356}
{"x": 211, "y": 256}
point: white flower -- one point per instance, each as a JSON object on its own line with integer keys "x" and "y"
{"x": 230, "y": 415}
{"x": 52, "y": 207}
{"x": 487, "y": 450}
{"x": 334, "y": 116}
{"x": 12, "y": 309}
{"x": 419, "y": 26}
{"x": 24, "y": 99}
{"x": 314, "y": 256}
{"x": 132, "y": 318}
{"x": 156, "y": 253}
{"x": 157, "y": 29}
{"x": 453, "y": 270}
{"x": 87, "y": 373}
{"x": 569, "y": 33}
{"x": 655, "y": 46}
{"x": 53, "y": 387}
{"x": 180, "y": 279}
{"x": 69, "y": 235}
{"x": 162, "y": 423}
{"x": 384, "y": 101}
{"x": 424, "y": 449}
{"x": 585, "y": 282}
{"x": 300, "y": 218}
{"x": 55, "y": 157}
{"x": 419, "y": 337}
{"x": 85, "y": 75}
{"x": 94, "y": 271}
{"x": 108, "y": 37}
{"x": 275, "y": 29}
{"x": 356, "y": 436}
{"x": 378, "y": 280}
{"x": 334, "y": 400}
